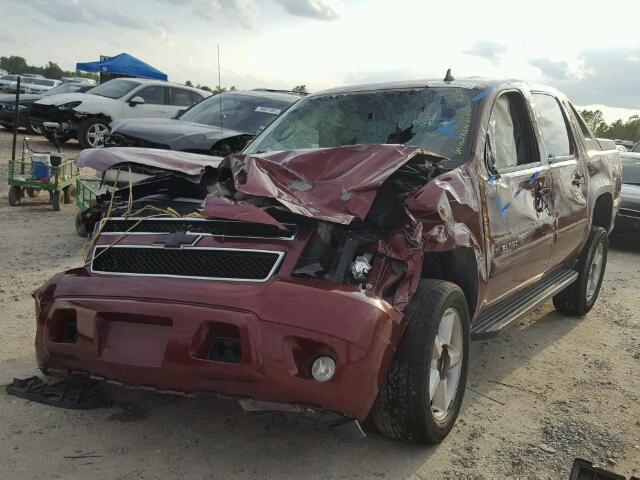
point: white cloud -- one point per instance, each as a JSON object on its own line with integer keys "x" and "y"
{"x": 318, "y": 9}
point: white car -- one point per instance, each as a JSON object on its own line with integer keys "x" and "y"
{"x": 89, "y": 115}
{"x": 38, "y": 85}
{"x": 8, "y": 82}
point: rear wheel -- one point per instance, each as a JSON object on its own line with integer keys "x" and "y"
{"x": 69, "y": 194}
{"x": 581, "y": 295}
{"x": 15, "y": 195}
{"x": 53, "y": 138}
{"x": 34, "y": 128}
{"x": 93, "y": 133}
{"x": 421, "y": 397}
{"x": 55, "y": 200}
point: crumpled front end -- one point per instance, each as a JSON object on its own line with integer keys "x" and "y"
{"x": 234, "y": 279}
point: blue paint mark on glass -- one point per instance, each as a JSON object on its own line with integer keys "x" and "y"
{"x": 479, "y": 96}
{"x": 503, "y": 209}
{"x": 445, "y": 127}
{"x": 552, "y": 158}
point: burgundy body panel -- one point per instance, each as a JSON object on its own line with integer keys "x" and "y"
{"x": 152, "y": 332}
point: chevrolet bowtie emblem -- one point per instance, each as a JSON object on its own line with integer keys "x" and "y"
{"x": 178, "y": 240}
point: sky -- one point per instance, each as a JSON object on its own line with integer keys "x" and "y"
{"x": 593, "y": 55}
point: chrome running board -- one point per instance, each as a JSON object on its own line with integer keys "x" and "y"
{"x": 499, "y": 316}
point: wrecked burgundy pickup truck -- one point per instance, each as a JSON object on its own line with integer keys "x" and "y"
{"x": 344, "y": 261}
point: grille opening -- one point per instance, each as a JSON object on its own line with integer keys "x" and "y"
{"x": 248, "y": 265}
{"x": 222, "y": 228}
{"x": 63, "y": 326}
{"x": 219, "y": 342}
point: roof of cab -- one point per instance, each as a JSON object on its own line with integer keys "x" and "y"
{"x": 477, "y": 83}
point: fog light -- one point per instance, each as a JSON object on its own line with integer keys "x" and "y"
{"x": 323, "y": 369}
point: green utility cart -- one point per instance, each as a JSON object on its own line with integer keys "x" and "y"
{"x": 29, "y": 177}
{"x": 87, "y": 190}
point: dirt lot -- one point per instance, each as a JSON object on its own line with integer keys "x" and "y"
{"x": 547, "y": 390}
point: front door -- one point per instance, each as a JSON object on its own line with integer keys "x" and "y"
{"x": 156, "y": 99}
{"x": 518, "y": 221}
{"x": 567, "y": 165}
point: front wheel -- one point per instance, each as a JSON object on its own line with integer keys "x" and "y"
{"x": 93, "y": 133}
{"x": 15, "y": 195}
{"x": 55, "y": 200}
{"x": 421, "y": 397}
{"x": 69, "y": 194}
{"x": 581, "y": 296}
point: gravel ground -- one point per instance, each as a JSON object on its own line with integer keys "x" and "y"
{"x": 548, "y": 389}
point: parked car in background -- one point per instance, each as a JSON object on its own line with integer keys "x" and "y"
{"x": 7, "y": 106}
{"x": 345, "y": 259}
{"x": 628, "y": 219}
{"x": 38, "y": 85}
{"x": 32, "y": 75}
{"x": 218, "y": 125}
{"x": 84, "y": 80}
{"x": 87, "y": 116}
{"x": 8, "y": 82}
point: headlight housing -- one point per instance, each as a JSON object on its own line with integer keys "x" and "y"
{"x": 69, "y": 106}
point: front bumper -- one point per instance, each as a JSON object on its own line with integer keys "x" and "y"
{"x": 158, "y": 333}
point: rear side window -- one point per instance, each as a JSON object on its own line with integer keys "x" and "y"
{"x": 553, "y": 126}
{"x": 154, "y": 95}
{"x": 181, "y": 98}
{"x": 511, "y": 142}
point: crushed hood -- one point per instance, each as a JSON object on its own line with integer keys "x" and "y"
{"x": 102, "y": 159}
{"x": 332, "y": 184}
{"x": 176, "y": 134}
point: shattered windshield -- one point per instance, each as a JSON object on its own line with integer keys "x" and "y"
{"x": 437, "y": 119}
{"x": 244, "y": 113}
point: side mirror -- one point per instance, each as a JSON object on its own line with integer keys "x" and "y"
{"x": 137, "y": 100}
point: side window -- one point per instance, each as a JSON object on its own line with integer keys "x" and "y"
{"x": 154, "y": 95}
{"x": 511, "y": 141}
{"x": 583, "y": 126}
{"x": 196, "y": 97}
{"x": 181, "y": 98}
{"x": 553, "y": 126}
{"x": 589, "y": 140}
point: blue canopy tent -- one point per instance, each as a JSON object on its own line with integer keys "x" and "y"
{"x": 123, "y": 64}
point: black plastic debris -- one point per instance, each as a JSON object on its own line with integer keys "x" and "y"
{"x": 585, "y": 470}
{"x": 71, "y": 393}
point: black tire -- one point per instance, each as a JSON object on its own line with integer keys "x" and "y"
{"x": 32, "y": 192}
{"x": 403, "y": 409}
{"x": 574, "y": 299}
{"x": 60, "y": 138}
{"x": 83, "y": 130}
{"x": 55, "y": 200}
{"x": 80, "y": 228}
{"x": 15, "y": 196}
{"x": 69, "y": 194}
{"x": 34, "y": 128}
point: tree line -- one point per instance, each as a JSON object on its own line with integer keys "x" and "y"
{"x": 629, "y": 130}
{"x": 299, "y": 89}
{"x": 19, "y": 66}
